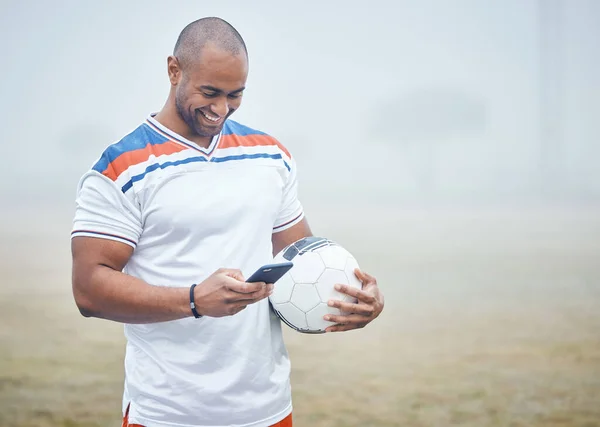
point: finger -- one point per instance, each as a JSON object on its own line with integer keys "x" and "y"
{"x": 350, "y": 308}
{"x": 351, "y": 319}
{"x": 244, "y": 287}
{"x": 365, "y": 278}
{"x": 252, "y": 297}
{"x": 359, "y": 294}
{"x": 233, "y": 273}
{"x": 340, "y": 328}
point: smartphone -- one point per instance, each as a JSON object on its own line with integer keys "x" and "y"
{"x": 270, "y": 273}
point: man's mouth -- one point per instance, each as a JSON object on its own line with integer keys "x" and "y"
{"x": 213, "y": 119}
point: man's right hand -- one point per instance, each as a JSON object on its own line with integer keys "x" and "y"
{"x": 102, "y": 290}
{"x": 225, "y": 293}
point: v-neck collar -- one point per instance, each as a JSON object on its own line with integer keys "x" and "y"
{"x": 175, "y": 137}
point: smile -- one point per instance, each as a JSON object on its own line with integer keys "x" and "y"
{"x": 210, "y": 118}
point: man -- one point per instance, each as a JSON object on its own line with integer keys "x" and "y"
{"x": 193, "y": 198}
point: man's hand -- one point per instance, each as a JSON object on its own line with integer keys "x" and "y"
{"x": 225, "y": 293}
{"x": 368, "y": 306}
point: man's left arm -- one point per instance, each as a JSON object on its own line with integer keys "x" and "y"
{"x": 370, "y": 300}
{"x": 281, "y": 239}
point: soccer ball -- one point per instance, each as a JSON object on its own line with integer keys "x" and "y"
{"x": 300, "y": 297}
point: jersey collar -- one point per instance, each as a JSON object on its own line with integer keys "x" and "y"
{"x": 175, "y": 137}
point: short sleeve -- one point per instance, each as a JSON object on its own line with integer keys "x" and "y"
{"x": 291, "y": 211}
{"x": 104, "y": 211}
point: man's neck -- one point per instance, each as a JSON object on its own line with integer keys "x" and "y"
{"x": 169, "y": 118}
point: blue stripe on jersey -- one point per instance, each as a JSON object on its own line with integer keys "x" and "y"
{"x": 250, "y": 156}
{"x": 156, "y": 166}
{"x": 235, "y": 128}
{"x": 136, "y": 140}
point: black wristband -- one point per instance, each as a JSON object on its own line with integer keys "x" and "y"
{"x": 192, "y": 304}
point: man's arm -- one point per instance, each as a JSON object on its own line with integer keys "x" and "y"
{"x": 286, "y": 237}
{"x": 101, "y": 289}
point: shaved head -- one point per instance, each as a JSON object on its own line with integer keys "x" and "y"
{"x": 214, "y": 31}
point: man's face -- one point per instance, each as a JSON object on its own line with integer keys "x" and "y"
{"x": 210, "y": 90}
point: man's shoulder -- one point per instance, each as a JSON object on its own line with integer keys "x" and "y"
{"x": 136, "y": 147}
{"x": 237, "y": 135}
{"x": 232, "y": 127}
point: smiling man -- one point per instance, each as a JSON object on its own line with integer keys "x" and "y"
{"x": 168, "y": 223}
{"x": 208, "y": 72}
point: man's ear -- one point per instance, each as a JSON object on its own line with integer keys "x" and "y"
{"x": 174, "y": 70}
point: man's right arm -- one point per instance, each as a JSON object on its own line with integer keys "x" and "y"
{"x": 102, "y": 290}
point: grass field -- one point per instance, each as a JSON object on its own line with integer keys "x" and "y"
{"x": 492, "y": 318}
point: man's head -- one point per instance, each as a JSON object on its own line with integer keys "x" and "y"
{"x": 208, "y": 71}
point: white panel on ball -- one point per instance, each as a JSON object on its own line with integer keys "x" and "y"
{"x": 292, "y": 314}
{"x": 315, "y": 317}
{"x": 305, "y": 296}
{"x": 334, "y": 257}
{"x": 326, "y": 283}
{"x": 282, "y": 290}
{"x": 311, "y": 268}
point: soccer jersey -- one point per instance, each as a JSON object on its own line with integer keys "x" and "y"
{"x": 187, "y": 211}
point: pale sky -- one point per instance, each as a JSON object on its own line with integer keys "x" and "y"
{"x": 79, "y": 75}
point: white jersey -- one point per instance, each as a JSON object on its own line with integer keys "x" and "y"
{"x": 188, "y": 211}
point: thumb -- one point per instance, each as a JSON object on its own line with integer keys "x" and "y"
{"x": 235, "y": 274}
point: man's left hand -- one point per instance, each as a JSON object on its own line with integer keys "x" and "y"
{"x": 357, "y": 315}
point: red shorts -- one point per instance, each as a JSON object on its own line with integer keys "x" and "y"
{"x": 286, "y": 422}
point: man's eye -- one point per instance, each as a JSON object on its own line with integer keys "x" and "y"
{"x": 236, "y": 95}
{"x": 209, "y": 94}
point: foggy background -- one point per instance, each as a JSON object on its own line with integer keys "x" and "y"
{"x": 452, "y": 146}
{"x": 398, "y": 102}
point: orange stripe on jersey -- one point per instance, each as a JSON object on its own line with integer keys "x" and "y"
{"x": 286, "y": 422}
{"x": 255, "y": 140}
{"x": 134, "y": 157}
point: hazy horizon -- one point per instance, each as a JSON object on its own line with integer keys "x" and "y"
{"x": 396, "y": 101}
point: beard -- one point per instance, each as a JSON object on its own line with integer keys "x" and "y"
{"x": 192, "y": 118}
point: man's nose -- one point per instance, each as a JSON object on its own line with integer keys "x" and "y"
{"x": 220, "y": 107}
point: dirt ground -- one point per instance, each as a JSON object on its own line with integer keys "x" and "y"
{"x": 492, "y": 318}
